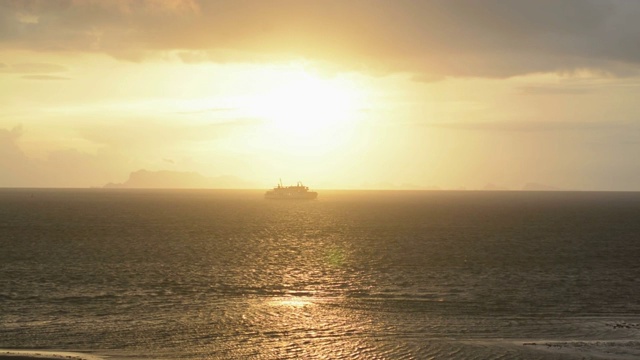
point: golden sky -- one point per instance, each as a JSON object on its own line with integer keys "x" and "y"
{"x": 338, "y": 94}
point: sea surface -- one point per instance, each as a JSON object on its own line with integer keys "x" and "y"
{"x": 204, "y": 274}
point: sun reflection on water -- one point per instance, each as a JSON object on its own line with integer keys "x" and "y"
{"x": 296, "y": 302}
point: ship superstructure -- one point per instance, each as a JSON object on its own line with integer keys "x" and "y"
{"x": 294, "y": 192}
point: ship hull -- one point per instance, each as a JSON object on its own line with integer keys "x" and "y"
{"x": 291, "y": 196}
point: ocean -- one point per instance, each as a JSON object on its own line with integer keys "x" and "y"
{"x": 213, "y": 274}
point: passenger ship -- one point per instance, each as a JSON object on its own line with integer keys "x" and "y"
{"x": 297, "y": 192}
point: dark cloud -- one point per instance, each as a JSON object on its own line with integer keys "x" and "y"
{"x": 490, "y": 38}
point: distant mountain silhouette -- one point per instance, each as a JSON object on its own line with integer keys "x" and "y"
{"x": 165, "y": 179}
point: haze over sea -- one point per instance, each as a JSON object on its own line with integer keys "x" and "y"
{"x": 203, "y": 274}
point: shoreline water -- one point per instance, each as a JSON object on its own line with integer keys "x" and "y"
{"x": 621, "y": 349}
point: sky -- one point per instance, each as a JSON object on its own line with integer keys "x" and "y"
{"x": 354, "y": 94}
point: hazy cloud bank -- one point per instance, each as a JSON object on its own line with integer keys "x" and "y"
{"x": 432, "y": 39}
{"x": 68, "y": 167}
{"x": 540, "y": 126}
{"x": 61, "y": 168}
{"x": 35, "y": 71}
{"x": 178, "y": 180}
{"x": 44, "y": 77}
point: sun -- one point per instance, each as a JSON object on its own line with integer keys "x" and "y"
{"x": 300, "y": 103}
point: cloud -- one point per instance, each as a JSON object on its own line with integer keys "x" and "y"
{"x": 535, "y": 126}
{"x": 35, "y": 71}
{"x": 428, "y": 78}
{"x": 69, "y": 167}
{"x": 37, "y": 68}
{"x": 159, "y": 135}
{"x": 175, "y": 180}
{"x": 44, "y": 77}
{"x": 15, "y": 167}
{"x": 8, "y": 139}
{"x": 62, "y": 168}
{"x": 208, "y": 110}
{"x": 553, "y": 90}
{"x": 431, "y": 39}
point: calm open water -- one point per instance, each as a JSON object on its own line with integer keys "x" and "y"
{"x": 196, "y": 274}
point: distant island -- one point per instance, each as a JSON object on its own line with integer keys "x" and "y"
{"x": 165, "y": 179}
